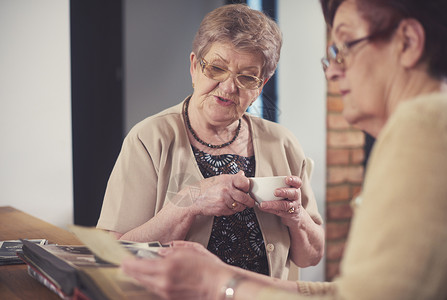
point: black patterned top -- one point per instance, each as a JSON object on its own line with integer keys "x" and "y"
{"x": 236, "y": 239}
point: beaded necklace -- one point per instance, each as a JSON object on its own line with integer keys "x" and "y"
{"x": 188, "y": 124}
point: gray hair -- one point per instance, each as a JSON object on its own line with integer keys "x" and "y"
{"x": 248, "y": 30}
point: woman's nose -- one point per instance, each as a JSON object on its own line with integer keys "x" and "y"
{"x": 333, "y": 71}
{"x": 229, "y": 85}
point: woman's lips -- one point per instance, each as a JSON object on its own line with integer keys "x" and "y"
{"x": 344, "y": 92}
{"x": 224, "y": 101}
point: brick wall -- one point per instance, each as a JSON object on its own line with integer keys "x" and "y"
{"x": 345, "y": 156}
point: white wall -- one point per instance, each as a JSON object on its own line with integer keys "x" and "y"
{"x": 35, "y": 110}
{"x": 302, "y": 92}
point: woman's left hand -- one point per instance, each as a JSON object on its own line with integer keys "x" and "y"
{"x": 289, "y": 209}
{"x": 306, "y": 236}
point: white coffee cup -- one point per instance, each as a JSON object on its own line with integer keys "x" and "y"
{"x": 263, "y": 188}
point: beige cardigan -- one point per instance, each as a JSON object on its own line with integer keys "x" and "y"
{"x": 397, "y": 246}
{"x": 156, "y": 161}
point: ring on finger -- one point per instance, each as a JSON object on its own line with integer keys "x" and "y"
{"x": 291, "y": 210}
{"x": 233, "y": 205}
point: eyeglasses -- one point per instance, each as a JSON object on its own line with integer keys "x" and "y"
{"x": 243, "y": 81}
{"x": 338, "y": 54}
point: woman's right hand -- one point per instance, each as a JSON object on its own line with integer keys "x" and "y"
{"x": 222, "y": 195}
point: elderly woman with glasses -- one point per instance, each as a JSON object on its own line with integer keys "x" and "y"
{"x": 389, "y": 61}
{"x": 182, "y": 174}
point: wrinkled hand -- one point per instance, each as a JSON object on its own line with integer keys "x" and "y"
{"x": 186, "y": 271}
{"x": 222, "y": 195}
{"x": 290, "y": 209}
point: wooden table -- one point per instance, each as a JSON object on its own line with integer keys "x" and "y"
{"x": 15, "y": 283}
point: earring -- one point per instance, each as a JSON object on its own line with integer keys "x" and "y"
{"x": 193, "y": 85}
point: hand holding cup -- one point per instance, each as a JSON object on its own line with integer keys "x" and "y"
{"x": 279, "y": 195}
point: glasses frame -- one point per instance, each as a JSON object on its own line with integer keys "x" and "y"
{"x": 339, "y": 54}
{"x": 204, "y": 64}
